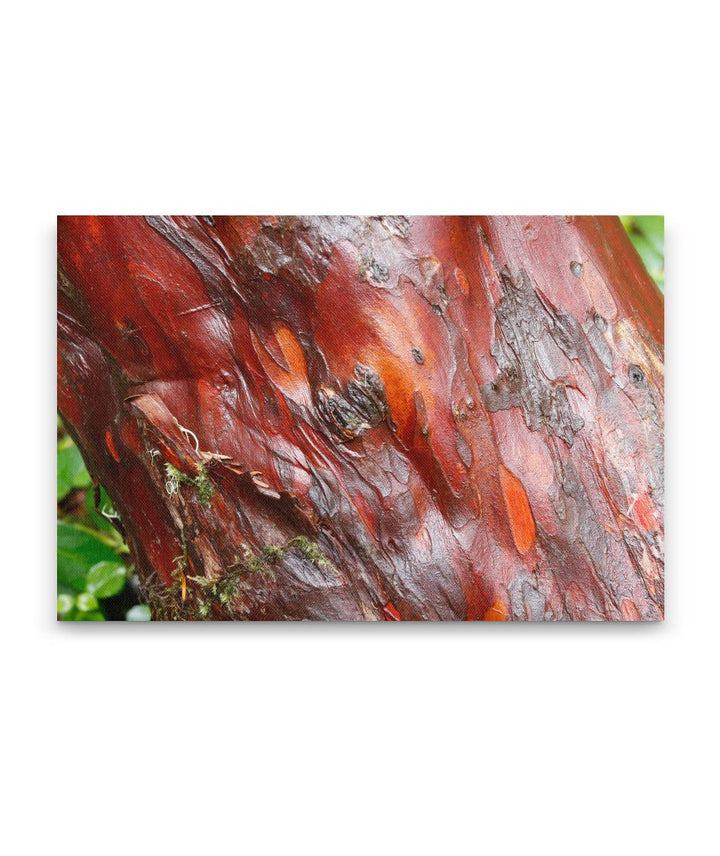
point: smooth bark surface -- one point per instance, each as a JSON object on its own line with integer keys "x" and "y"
{"x": 371, "y": 418}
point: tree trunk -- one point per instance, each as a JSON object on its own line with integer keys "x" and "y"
{"x": 371, "y": 418}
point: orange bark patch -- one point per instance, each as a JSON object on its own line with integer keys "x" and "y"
{"x": 399, "y": 387}
{"x": 644, "y": 513}
{"x": 480, "y": 502}
{"x": 292, "y": 351}
{"x": 629, "y": 611}
{"x": 497, "y": 612}
{"x": 462, "y": 281}
{"x": 109, "y": 442}
{"x": 521, "y": 519}
{"x": 293, "y": 380}
{"x": 391, "y": 614}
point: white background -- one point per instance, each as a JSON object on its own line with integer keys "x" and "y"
{"x": 332, "y": 739}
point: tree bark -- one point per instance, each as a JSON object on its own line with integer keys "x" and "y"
{"x": 371, "y": 418}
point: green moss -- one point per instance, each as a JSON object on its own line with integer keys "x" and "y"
{"x": 166, "y": 602}
{"x": 201, "y": 482}
{"x": 178, "y": 572}
{"x": 273, "y": 552}
{"x": 205, "y": 488}
{"x": 204, "y": 595}
{"x": 261, "y": 564}
{"x": 204, "y": 608}
{"x": 311, "y": 551}
{"x": 221, "y": 591}
{"x": 174, "y": 478}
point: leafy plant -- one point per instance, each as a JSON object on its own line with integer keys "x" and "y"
{"x": 647, "y": 232}
{"x": 94, "y": 580}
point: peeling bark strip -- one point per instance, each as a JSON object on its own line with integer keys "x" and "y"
{"x": 381, "y": 418}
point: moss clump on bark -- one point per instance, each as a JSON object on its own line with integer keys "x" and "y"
{"x": 201, "y": 482}
{"x": 195, "y": 597}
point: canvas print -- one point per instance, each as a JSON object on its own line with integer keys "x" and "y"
{"x": 381, "y": 418}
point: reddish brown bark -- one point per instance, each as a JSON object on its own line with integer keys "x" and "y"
{"x": 461, "y": 417}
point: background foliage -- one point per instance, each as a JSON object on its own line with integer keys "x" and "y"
{"x": 647, "y": 232}
{"x": 95, "y": 581}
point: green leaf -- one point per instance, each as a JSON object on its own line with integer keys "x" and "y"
{"x": 97, "y": 521}
{"x": 106, "y": 578}
{"x": 77, "y": 551}
{"x": 71, "y": 470}
{"x": 65, "y": 604}
{"x": 652, "y": 260}
{"x": 653, "y": 229}
{"x": 139, "y": 612}
{"x": 87, "y": 602}
{"x": 96, "y": 615}
{"x": 647, "y": 233}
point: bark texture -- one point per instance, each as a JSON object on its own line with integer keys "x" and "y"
{"x": 371, "y": 418}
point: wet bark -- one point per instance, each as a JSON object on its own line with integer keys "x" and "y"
{"x": 371, "y": 418}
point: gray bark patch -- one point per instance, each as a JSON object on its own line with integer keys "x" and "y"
{"x": 363, "y": 406}
{"x": 524, "y": 318}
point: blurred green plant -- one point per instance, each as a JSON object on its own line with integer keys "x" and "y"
{"x": 94, "y": 580}
{"x": 647, "y": 232}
